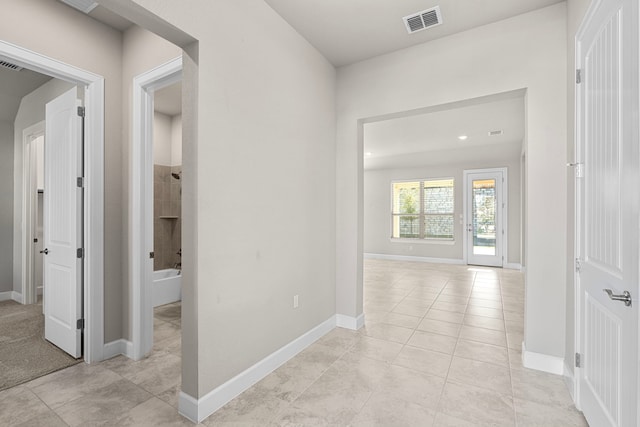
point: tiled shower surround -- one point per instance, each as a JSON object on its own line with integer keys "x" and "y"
{"x": 167, "y": 216}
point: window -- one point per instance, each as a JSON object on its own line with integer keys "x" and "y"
{"x": 423, "y": 209}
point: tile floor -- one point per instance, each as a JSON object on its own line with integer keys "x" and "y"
{"x": 441, "y": 348}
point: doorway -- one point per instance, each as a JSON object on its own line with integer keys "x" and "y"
{"x": 485, "y": 222}
{"x": 142, "y": 202}
{"x": 92, "y": 206}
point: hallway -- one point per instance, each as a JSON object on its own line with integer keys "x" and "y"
{"x": 441, "y": 348}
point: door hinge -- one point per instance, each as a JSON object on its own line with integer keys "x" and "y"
{"x": 578, "y": 266}
{"x": 80, "y": 253}
{"x": 578, "y": 76}
{"x": 80, "y": 324}
{"x": 81, "y": 111}
{"x": 578, "y": 361}
{"x": 152, "y": 255}
{"x": 80, "y": 182}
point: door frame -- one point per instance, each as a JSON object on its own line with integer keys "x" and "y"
{"x": 93, "y": 345}
{"x": 503, "y": 211}
{"x": 141, "y": 200}
{"x": 29, "y": 206}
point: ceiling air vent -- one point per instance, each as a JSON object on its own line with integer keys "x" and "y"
{"x": 495, "y": 132}
{"x": 422, "y": 20}
{"x": 9, "y": 66}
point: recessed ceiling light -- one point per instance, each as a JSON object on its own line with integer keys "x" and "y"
{"x": 368, "y": 153}
{"x": 462, "y": 137}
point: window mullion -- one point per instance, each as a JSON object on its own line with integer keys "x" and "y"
{"x": 422, "y": 212}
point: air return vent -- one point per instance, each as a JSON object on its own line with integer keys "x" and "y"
{"x": 495, "y": 132}
{"x": 9, "y": 66}
{"x": 422, "y": 20}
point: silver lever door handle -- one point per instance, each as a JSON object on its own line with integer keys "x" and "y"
{"x": 626, "y": 296}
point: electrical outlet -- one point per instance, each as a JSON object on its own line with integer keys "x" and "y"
{"x": 295, "y": 301}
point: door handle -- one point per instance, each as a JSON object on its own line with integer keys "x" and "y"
{"x": 625, "y": 297}
{"x": 45, "y": 251}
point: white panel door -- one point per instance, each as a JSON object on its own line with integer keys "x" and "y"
{"x": 63, "y": 223}
{"x": 608, "y": 217}
{"x": 484, "y": 207}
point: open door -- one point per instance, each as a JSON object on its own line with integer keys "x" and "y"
{"x": 63, "y": 224}
{"x": 608, "y": 214}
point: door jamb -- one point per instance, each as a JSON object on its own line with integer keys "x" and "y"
{"x": 141, "y": 200}
{"x": 94, "y": 185}
{"x": 29, "y": 292}
{"x": 504, "y": 210}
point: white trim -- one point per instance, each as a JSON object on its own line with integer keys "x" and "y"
{"x": 94, "y": 185}
{"x": 542, "y": 362}
{"x": 29, "y": 205}
{"x": 11, "y": 295}
{"x": 141, "y": 200}
{"x": 414, "y": 258}
{"x": 114, "y": 348}
{"x": 513, "y": 266}
{"x": 449, "y": 242}
{"x": 348, "y": 322}
{"x": 198, "y": 409}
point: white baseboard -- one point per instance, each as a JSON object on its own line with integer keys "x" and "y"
{"x": 117, "y": 347}
{"x": 542, "y": 362}
{"x": 11, "y": 295}
{"x": 349, "y": 322}
{"x": 198, "y": 409}
{"x": 414, "y": 258}
{"x": 513, "y": 266}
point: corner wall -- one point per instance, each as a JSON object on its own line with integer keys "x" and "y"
{"x": 526, "y": 51}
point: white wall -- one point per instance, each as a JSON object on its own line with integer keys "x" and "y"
{"x": 176, "y": 140}
{"x": 162, "y": 149}
{"x": 249, "y": 161}
{"x": 377, "y": 205}
{"x": 167, "y": 139}
{"x": 526, "y": 51}
{"x": 30, "y": 112}
{"x": 6, "y": 206}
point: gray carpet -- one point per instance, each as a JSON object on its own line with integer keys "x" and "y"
{"x": 24, "y": 353}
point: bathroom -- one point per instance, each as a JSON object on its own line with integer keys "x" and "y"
{"x": 167, "y": 192}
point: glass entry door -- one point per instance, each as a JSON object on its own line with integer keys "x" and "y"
{"x": 484, "y": 231}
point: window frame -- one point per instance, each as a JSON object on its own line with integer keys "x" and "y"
{"x": 422, "y": 215}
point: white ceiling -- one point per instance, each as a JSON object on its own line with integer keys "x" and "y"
{"x": 433, "y": 137}
{"x": 14, "y": 85}
{"x": 168, "y": 100}
{"x": 348, "y": 31}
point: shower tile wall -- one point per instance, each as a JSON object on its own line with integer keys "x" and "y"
{"x": 167, "y": 215}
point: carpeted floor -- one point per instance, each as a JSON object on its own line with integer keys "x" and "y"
{"x": 24, "y": 353}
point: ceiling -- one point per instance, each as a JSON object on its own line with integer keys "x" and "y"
{"x": 113, "y": 20}
{"x": 433, "y": 137}
{"x": 168, "y": 100}
{"x": 14, "y": 85}
{"x": 350, "y": 31}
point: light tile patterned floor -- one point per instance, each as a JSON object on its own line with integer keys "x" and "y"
{"x": 441, "y": 348}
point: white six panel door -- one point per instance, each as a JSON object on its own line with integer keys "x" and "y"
{"x": 62, "y": 223}
{"x": 608, "y": 214}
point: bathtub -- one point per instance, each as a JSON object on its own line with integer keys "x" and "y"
{"x": 166, "y": 286}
